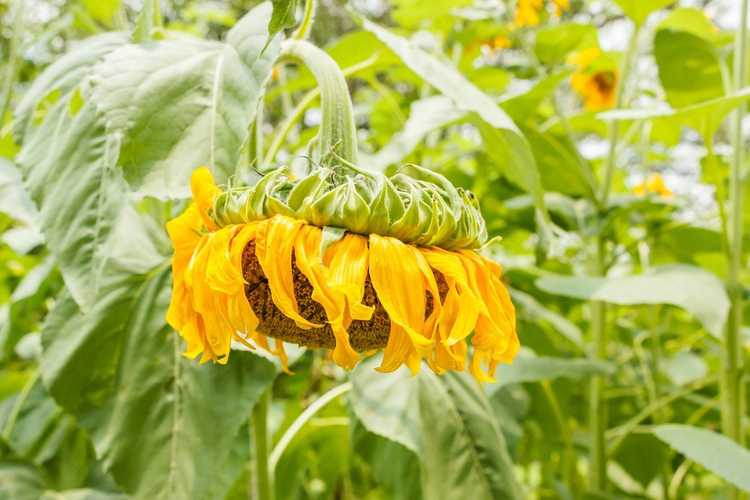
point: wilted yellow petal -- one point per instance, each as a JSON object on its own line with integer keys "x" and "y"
{"x": 204, "y": 191}
{"x": 333, "y": 300}
{"x": 347, "y": 260}
{"x": 400, "y": 285}
{"x": 273, "y": 247}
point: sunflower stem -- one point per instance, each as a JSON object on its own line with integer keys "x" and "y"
{"x": 303, "y": 30}
{"x": 263, "y": 484}
{"x": 732, "y": 373}
{"x": 302, "y": 419}
{"x": 597, "y": 408}
{"x": 337, "y": 130}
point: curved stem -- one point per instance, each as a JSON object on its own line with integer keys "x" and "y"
{"x": 262, "y": 475}
{"x": 303, "y": 418}
{"x": 337, "y": 131}
{"x": 296, "y": 114}
{"x": 304, "y": 28}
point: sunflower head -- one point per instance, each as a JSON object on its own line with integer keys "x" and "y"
{"x": 345, "y": 260}
{"x": 595, "y": 78}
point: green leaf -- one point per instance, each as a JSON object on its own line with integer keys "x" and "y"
{"x": 102, "y": 10}
{"x": 713, "y": 451}
{"x": 532, "y": 310}
{"x": 138, "y": 384}
{"x": 283, "y": 16}
{"x": 20, "y": 481}
{"x": 554, "y": 43}
{"x": 504, "y": 141}
{"x": 684, "y": 368}
{"x": 61, "y": 78}
{"x": 528, "y": 367}
{"x": 67, "y": 164}
{"x": 638, "y": 10}
{"x": 428, "y": 114}
{"x": 14, "y": 200}
{"x": 179, "y": 104}
{"x": 446, "y": 421}
{"x": 705, "y": 117}
{"x": 695, "y": 290}
{"x": 682, "y": 46}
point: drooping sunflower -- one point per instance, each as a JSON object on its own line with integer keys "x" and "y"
{"x": 341, "y": 259}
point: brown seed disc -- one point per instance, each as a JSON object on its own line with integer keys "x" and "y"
{"x": 363, "y": 335}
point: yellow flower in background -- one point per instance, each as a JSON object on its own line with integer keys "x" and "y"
{"x": 279, "y": 276}
{"x": 528, "y": 12}
{"x": 561, "y": 6}
{"x": 653, "y": 184}
{"x": 598, "y": 88}
{"x": 498, "y": 43}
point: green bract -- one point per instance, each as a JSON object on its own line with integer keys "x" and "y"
{"x": 415, "y": 205}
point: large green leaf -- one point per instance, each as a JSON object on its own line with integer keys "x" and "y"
{"x": 705, "y": 117}
{"x": 695, "y": 290}
{"x": 67, "y": 164}
{"x": 447, "y": 421}
{"x": 715, "y": 452}
{"x": 681, "y": 47}
{"x": 505, "y": 143}
{"x": 177, "y": 104}
{"x": 62, "y": 78}
{"x": 14, "y": 200}
{"x": 20, "y": 481}
{"x": 639, "y": 10}
{"x": 161, "y": 424}
{"x": 532, "y": 310}
{"x": 528, "y": 367}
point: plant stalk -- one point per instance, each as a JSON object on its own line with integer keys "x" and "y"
{"x": 732, "y": 375}
{"x": 263, "y": 483}
{"x": 597, "y": 407}
{"x": 338, "y": 134}
{"x": 303, "y": 30}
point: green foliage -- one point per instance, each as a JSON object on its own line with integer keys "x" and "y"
{"x": 109, "y": 109}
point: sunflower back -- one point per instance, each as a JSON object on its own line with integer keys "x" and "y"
{"x": 415, "y": 205}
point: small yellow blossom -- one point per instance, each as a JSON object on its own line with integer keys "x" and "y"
{"x": 597, "y": 87}
{"x": 654, "y": 184}
{"x": 527, "y": 12}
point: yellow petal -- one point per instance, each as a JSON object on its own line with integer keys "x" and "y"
{"x": 273, "y": 248}
{"x": 398, "y": 351}
{"x": 205, "y": 191}
{"x": 400, "y": 284}
{"x": 333, "y": 300}
{"x": 461, "y": 305}
{"x": 347, "y": 260}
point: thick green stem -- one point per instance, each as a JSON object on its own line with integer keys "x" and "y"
{"x": 614, "y": 128}
{"x": 298, "y": 112}
{"x": 597, "y": 407}
{"x": 338, "y": 134}
{"x": 732, "y": 386}
{"x": 263, "y": 489}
